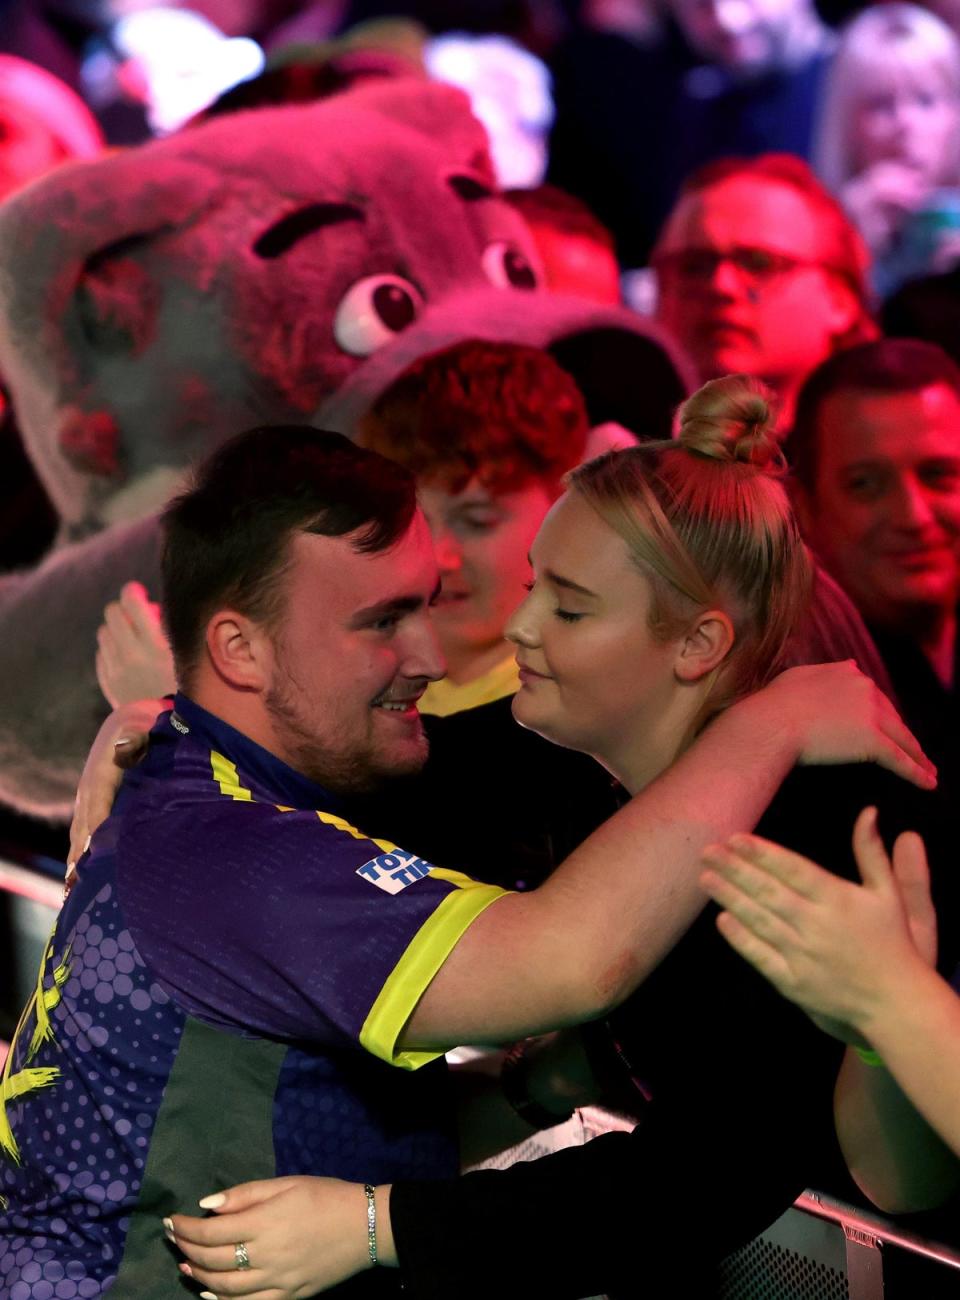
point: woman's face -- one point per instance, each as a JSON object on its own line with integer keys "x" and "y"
{"x": 592, "y": 676}
{"x": 909, "y": 117}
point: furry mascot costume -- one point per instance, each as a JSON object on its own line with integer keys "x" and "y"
{"x": 154, "y": 302}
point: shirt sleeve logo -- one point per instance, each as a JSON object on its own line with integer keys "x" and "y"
{"x": 393, "y": 872}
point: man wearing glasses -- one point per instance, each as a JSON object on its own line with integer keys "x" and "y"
{"x": 760, "y": 271}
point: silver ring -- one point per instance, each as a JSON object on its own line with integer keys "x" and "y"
{"x": 240, "y": 1254}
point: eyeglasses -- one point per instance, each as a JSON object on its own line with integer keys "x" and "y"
{"x": 755, "y": 265}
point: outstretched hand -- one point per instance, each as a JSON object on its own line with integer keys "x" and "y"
{"x": 301, "y": 1234}
{"x": 833, "y": 947}
{"x": 839, "y": 715}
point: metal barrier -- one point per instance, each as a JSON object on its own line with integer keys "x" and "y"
{"x": 823, "y": 1249}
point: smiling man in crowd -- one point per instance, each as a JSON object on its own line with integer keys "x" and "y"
{"x": 875, "y": 450}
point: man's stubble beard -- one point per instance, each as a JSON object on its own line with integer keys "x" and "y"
{"x": 335, "y": 768}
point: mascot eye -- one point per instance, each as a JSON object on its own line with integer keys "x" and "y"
{"x": 374, "y": 311}
{"x": 507, "y": 267}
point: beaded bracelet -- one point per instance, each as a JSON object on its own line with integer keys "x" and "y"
{"x": 370, "y": 1192}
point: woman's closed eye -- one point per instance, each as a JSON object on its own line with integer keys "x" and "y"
{"x": 565, "y": 615}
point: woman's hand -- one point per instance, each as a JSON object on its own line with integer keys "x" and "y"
{"x": 301, "y": 1235}
{"x": 836, "y": 714}
{"x": 133, "y": 656}
{"x": 119, "y": 744}
{"x": 833, "y": 947}
{"x": 882, "y": 198}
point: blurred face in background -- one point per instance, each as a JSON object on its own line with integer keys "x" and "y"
{"x": 884, "y": 515}
{"x": 745, "y": 36}
{"x": 482, "y": 540}
{"x": 744, "y": 283}
{"x": 909, "y": 113}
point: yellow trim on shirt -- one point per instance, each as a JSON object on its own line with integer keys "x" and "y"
{"x": 331, "y": 819}
{"x": 442, "y": 698}
{"x": 423, "y": 957}
{"x": 228, "y": 778}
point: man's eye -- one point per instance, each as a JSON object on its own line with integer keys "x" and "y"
{"x": 942, "y": 477}
{"x": 387, "y": 623}
{"x": 864, "y": 485}
{"x": 568, "y": 616}
{"x": 757, "y": 260}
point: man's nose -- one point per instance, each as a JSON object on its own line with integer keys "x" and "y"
{"x": 725, "y": 280}
{"x": 911, "y": 505}
{"x": 448, "y": 551}
{"x": 424, "y": 656}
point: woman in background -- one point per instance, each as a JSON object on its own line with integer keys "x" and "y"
{"x": 888, "y": 141}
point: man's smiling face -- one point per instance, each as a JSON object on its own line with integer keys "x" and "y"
{"x": 352, "y": 652}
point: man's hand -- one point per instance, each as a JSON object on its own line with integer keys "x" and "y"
{"x": 133, "y": 656}
{"x": 833, "y": 947}
{"x": 120, "y": 743}
{"x": 838, "y": 715}
{"x": 302, "y": 1235}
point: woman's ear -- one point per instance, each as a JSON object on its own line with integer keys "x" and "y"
{"x": 707, "y": 642}
{"x": 238, "y": 650}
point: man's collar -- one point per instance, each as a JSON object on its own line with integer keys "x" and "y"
{"x": 269, "y": 779}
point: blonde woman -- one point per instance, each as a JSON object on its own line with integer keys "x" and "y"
{"x": 888, "y": 141}
{"x": 666, "y": 582}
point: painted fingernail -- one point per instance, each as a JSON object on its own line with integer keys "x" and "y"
{"x": 86, "y": 843}
{"x": 207, "y": 1295}
{"x": 124, "y": 740}
{"x": 168, "y": 1229}
{"x": 186, "y": 1270}
{"x": 213, "y": 1202}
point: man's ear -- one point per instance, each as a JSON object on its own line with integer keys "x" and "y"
{"x": 239, "y": 649}
{"x": 704, "y": 646}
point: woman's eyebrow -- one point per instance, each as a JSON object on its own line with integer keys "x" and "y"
{"x": 568, "y": 584}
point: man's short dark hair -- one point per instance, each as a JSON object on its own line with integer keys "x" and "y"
{"x": 883, "y": 366}
{"x": 226, "y": 538}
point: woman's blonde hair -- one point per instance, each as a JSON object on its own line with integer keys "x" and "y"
{"x": 885, "y": 36}
{"x": 707, "y": 521}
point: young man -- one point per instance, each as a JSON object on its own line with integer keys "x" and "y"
{"x": 238, "y": 967}
{"x": 876, "y": 457}
{"x": 489, "y": 430}
{"x": 760, "y": 271}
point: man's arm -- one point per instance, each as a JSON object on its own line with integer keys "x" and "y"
{"x": 577, "y": 946}
{"x": 581, "y": 943}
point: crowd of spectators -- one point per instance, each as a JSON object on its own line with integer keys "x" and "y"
{"x": 776, "y": 185}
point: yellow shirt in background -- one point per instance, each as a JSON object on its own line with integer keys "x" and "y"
{"x": 445, "y": 697}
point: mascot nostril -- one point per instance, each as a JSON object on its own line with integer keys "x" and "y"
{"x": 90, "y": 441}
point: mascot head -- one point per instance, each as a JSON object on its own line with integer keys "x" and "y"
{"x": 156, "y": 301}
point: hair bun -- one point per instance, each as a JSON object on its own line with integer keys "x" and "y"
{"x": 733, "y": 419}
